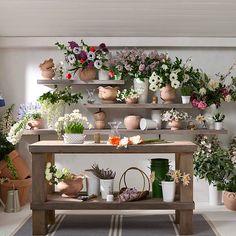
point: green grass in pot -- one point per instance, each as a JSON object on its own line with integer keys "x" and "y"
{"x": 74, "y": 128}
{"x": 186, "y": 91}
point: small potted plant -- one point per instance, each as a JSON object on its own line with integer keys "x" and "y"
{"x": 71, "y": 126}
{"x": 130, "y": 96}
{"x": 68, "y": 184}
{"x": 186, "y": 92}
{"x": 106, "y": 179}
{"x": 174, "y": 117}
{"x": 218, "y": 118}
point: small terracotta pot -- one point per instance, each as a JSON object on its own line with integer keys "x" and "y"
{"x": 168, "y": 94}
{"x": 22, "y": 168}
{"x": 23, "y": 187}
{"x": 100, "y": 115}
{"x": 175, "y": 124}
{"x": 35, "y": 124}
{"x": 129, "y": 100}
{"x": 70, "y": 187}
{"x": 131, "y": 122}
{"x": 230, "y": 200}
{"x": 100, "y": 124}
{"x": 48, "y": 74}
{"x": 88, "y": 74}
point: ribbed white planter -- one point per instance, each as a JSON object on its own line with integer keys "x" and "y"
{"x": 142, "y": 88}
{"x": 74, "y": 138}
{"x": 146, "y": 124}
{"x": 106, "y": 187}
{"x": 215, "y": 196}
{"x": 218, "y": 125}
{"x": 168, "y": 191}
{"x": 103, "y": 75}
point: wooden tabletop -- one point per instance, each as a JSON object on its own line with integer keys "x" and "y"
{"x": 56, "y": 146}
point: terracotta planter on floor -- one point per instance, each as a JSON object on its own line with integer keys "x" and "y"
{"x": 22, "y": 169}
{"x": 168, "y": 94}
{"x": 23, "y": 186}
{"x": 88, "y": 74}
{"x": 230, "y": 200}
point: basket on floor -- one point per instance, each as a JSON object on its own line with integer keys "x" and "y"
{"x": 131, "y": 194}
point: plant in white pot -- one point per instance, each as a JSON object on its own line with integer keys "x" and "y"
{"x": 71, "y": 126}
{"x": 106, "y": 180}
{"x": 218, "y": 118}
{"x": 186, "y": 92}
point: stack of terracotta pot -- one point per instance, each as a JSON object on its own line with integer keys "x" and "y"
{"x": 100, "y": 117}
{"x": 23, "y": 181}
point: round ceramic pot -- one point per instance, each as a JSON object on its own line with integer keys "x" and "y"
{"x": 168, "y": 94}
{"x": 100, "y": 115}
{"x": 35, "y": 124}
{"x": 168, "y": 191}
{"x": 70, "y": 187}
{"x": 185, "y": 99}
{"x": 130, "y": 100}
{"x": 230, "y": 200}
{"x": 218, "y": 125}
{"x": 131, "y": 122}
{"x": 88, "y": 74}
{"x": 47, "y": 74}
{"x": 100, "y": 124}
{"x": 108, "y": 94}
{"x": 74, "y": 138}
{"x": 174, "y": 124}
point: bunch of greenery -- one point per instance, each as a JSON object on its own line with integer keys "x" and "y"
{"x": 186, "y": 90}
{"x": 101, "y": 173}
{"x": 74, "y": 128}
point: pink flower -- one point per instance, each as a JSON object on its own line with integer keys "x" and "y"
{"x": 202, "y": 105}
{"x": 195, "y": 102}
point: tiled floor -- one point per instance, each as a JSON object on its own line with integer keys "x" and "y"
{"x": 223, "y": 221}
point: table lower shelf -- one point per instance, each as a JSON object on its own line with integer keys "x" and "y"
{"x": 55, "y": 201}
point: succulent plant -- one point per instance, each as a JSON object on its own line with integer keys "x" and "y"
{"x": 103, "y": 173}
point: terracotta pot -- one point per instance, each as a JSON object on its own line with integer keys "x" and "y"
{"x": 108, "y": 94}
{"x": 88, "y": 74}
{"x": 230, "y": 200}
{"x": 35, "y": 124}
{"x": 168, "y": 94}
{"x": 23, "y": 187}
{"x": 129, "y": 100}
{"x": 100, "y": 115}
{"x": 70, "y": 187}
{"x": 175, "y": 124}
{"x": 100, "y": 124}
{"x": 48, "y": 74}
{"x": 22, "y": 169}
{"x": 131, "y": 122}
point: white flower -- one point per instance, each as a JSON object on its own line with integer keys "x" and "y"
{"x": 159, "y": 80}
{"x": 202, "y": 91}
{"x": 213, "y": 84}
{"x": 98, "y": 64}
{"x": 123, "y": 142}
{"x": 76, "y": 50}
{"x": 91, "y": 56}
{"x": 173, "y": 76}
{"x": 175, "y": 84}
{"x": 136, "y": 139}
{"x": 228, "y": 98}
{"x": 71, "y": 58}
{"x": 153, "y": 87}
{"x": 153, "y": 80}
{"x": 58, "y": 174}
{"x": 49, "y": 164}
{"x": 164, "y": 67}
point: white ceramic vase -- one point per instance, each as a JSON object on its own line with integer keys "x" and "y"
{"x": 146, "y": 124}
{"x": 103, "y": 75}
{"x": 106, "y": 187}
{"x": 185, "y": 99}
{"x": 74, "y": 138}
{"x": 156, "y": 116}
{"x": 142, "y": 88}
{"x": 215, "y": 196}
{"x": 218, "y": 125}
{"x": 168, "y": 191}
{"x": 92, "y": 183}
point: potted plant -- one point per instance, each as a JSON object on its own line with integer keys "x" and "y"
{"x": 186, "y": 92}
{"x": 71, "y": 126}
{"x": 68, "y": 184}
{"x": 218, "y": 118}
{"x": 106, "y": 179}
{"x": 130, "y": 96}
{"x": 87, "y": 60}
{"x": 174, "y": 117}
{"x": 53, "y": 103}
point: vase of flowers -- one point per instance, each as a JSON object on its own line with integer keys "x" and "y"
{"x": 130, "y": 96}
{"x": 218, "y": 118}
{"x": 174, "y": 117}
{"x": 72, "y": 126}
{"x": 84, "y": 59}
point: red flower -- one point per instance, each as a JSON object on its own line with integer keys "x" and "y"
{"x": 82, "y": 61}
{"x": 92, "y": 49}
{"x": 111, "y": 73}
{"x": 68, "y": 76}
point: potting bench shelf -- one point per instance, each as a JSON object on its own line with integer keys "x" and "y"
{"x": 44, "y": 205}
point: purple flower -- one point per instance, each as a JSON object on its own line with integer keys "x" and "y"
{"x": 90, "y": 65}
{"x": 103, "y": 47}
{"x": 27, "y": 108}
{"x": 141, "y": 67}
{"x": 83, "y": 55}
{"x": 73, "y": 44}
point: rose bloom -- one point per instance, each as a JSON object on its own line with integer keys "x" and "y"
{"x": 202, "y": 105}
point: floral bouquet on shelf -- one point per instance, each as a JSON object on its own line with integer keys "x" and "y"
{"x": 202, "y": 121}
{"x": 84, "y": 56}
{"x": 72, "y": 126}
{"x": 128, "y": 95}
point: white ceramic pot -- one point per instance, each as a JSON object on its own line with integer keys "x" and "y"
{"x": 185, "y": 99}
{"x": 215, "y": 196}
{"x": 168, "y": 191}
{"x": 106, "y": 187}
{"x": 156, "y": 116}
{"x": 218, "y": 125}
{"x": 147, "y": 124}
{"x": 142, "y": 88}
{"x": 92, "y": 183}
{"x": 74, "y": 138}
{"x": 103, "y": 75}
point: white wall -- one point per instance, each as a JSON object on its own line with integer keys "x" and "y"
{"x": 19, "y": 73}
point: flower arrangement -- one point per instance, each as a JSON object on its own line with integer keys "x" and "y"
{"x": 101, "y": 173}
{"x": 201, "y": 120}
{"x": 30, "y": 109}
{"x": 173, "y": 114}
{"x": 54, "y": 175}
{"x": 135, "y": 64}
{"x": 218, "y": 117}
{"x": 127, "y": 93}
{"x": 72, "y": 123}
{"x": 84, "y": 56}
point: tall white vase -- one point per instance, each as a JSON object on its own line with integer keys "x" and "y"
{"x": 103, "y": 75}
{"x": 142, "y": 88}
{"x": 106, "y": 187}
{"x": 156, "y": 116}
{"x": 92, "y": 183}
{"x": 215, "y": 196}
{"x": 168, "y": 191}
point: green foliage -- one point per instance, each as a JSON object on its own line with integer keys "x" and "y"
{"x": 74, "y": 128}
{"x": 11, "y": 167}
{"x": 186, "y": 90}
{"x": 101, "y": 173}
{"x": 5, "y": 147}
{"x": 7, "y": 121}
{"x": 218, "y": 117}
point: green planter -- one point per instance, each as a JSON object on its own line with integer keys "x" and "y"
{"x": 160, "y": 167}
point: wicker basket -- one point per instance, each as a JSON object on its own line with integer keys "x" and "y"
{"x": 141, "y": 194}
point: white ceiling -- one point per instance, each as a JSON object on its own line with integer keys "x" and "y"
{"x": 116, "y": 18}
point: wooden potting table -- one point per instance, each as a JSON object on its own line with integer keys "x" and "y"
{"x": 45, "y": 201}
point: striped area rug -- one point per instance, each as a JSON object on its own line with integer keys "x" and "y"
{"x": 119, "y": 225}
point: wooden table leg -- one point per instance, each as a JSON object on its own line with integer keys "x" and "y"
{"x": 39, "y": 222}
{"x": 177, "y": 162}
{"x": 185, "y": 222}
